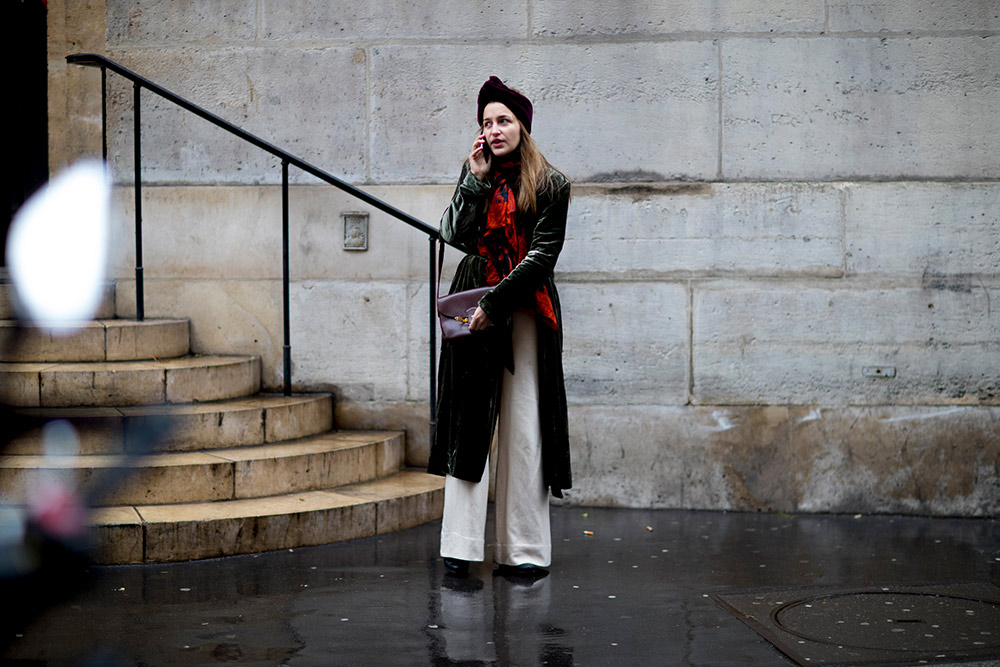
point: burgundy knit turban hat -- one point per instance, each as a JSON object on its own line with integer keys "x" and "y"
{"x": 494, "y": 90}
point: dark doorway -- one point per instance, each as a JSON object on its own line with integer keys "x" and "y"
{"x": 26, "y": 130}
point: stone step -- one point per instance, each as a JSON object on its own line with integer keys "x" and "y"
{"x": 188, "y": 426}
{"x": 8, "y": 311}
{"x": 167, "y": 533}
{"x": 97, "y": 340}
{"x": 123, "y": 383}
{"x": 318, "y": 462}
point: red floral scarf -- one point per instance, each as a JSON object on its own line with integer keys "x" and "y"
{"x": 503, "y": 242}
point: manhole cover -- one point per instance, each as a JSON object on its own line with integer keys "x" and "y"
{"x": 894, "y": 621}
{"x": 911, "y": 625}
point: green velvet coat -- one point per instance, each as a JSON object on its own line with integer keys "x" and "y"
{"x": 471, "y": 369}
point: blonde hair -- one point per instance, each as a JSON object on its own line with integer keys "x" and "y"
{"x": 535, "y": 176}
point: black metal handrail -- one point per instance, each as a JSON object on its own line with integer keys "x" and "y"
{"x": 139, "y": 82}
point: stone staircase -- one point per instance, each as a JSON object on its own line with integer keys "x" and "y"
{"x": 232, "y": 471}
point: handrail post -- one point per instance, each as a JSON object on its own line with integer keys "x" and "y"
{"x": 432, "y": 289}
{"x": 140, "y": 309}
{"x": 104, "y": 115}
{"x": 284, "y": 278}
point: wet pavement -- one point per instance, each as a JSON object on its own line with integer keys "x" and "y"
{"x": 627, "y": 587}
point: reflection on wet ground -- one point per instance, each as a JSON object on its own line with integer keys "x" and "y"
{"x": 626, "y": 587}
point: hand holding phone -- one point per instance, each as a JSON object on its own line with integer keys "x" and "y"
{"x": 479, "y": 160}
{"x": 485, "y": 146}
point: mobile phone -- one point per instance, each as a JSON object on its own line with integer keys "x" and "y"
{"x": 487, "y": 153}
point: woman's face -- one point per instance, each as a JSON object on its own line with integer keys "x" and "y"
{"x": 501, "y": 129}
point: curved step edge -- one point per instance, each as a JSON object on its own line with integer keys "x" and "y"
{"x": 319, "y": 462}
{"x": 160, "y": 534}
{"x": 129, "y": 383}
{"x": 190, "y": 426}
{"x": 95, "y": 340}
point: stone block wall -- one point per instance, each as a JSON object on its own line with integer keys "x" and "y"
{"x": 782, "y": 249}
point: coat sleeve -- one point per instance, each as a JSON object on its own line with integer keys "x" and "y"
{"x": 546, "y": 242}
{"x": 460, "y": 222}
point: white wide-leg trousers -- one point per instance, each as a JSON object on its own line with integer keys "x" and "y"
{"x": 521, "y": 512}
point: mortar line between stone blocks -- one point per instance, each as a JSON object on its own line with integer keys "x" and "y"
{"x": 259, "y": 20}
{"x": 718, "y": 55}
{"x": 690, "y": 326}
{"x": 411, "y": 298}
{"x": 368, "y": 113}
{"x": 842, "y": 196}
{"x": 607, "y": 39}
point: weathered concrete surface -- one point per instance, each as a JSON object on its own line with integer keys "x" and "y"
{"x": 625, "y": 343}
{"x": 886, "y": 15}
{"x": 796, "y": 91}
{"x": 667, "y": 91}
{"x": 945, "y": 233}
{"x": 659, "y": 230}
{"x": 8, "y": 309}
{"x": 927, "y": 460}
{"x": 184, "y": 21}
{"x": 840, "y": 107}
{"x": 234, "y": 233}
{"x": 74, "y": 93}
{"x": 118, "y": 535}
{"x": 359, "y": 311}
{"x": 305, "y": 19}
{"x": 252, "y": 92}
{"x": 559, "y": 18}
{"x": 930, "y": 460}
{"x": 231, "y": 233}
{"x": 774, "y": 344}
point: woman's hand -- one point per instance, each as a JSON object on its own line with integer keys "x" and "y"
{"x": 479, "y": 162}
{"x": 479, "y": 320}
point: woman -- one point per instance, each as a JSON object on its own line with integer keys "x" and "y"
{"x": 509, "y": 213}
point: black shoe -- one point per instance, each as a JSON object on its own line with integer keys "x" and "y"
{"x": 456, "y": 566}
